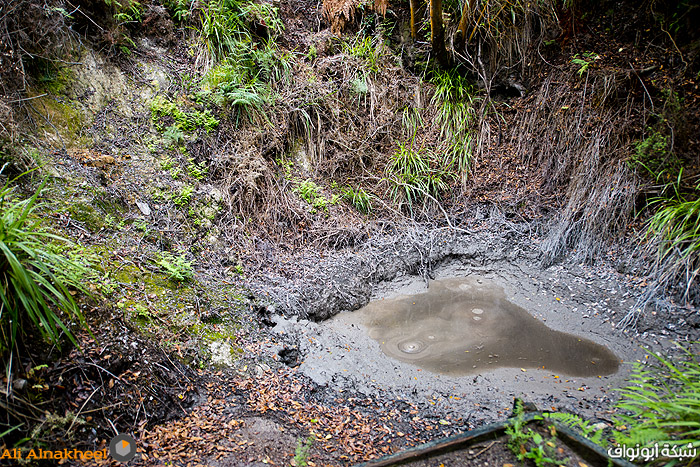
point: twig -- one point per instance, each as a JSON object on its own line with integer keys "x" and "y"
{"x": 102, "y": 408}
{"x": 81, "y": 409}
{"x": 483, "y": 450}
{"x": 645, "y": 88}
{"x": 116, "y": 432}
{"x": 27, "y": 98}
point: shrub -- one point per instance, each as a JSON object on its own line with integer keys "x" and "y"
{"x": 35, "y": 279}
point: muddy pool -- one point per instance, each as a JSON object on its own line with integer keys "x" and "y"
{"x": 474, "y": 338}
{"x": 464, "y": 326}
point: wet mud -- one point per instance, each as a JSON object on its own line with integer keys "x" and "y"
{"x": 463, "y": 326}
{"x": 562, "y": 318}
{"x": 330, "y": 324}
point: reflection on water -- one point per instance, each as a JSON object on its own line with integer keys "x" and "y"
{"x": 466, "y": 325}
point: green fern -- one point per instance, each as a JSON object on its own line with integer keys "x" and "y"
{"x": 662, "y": 402}
{"x": 573, "y": 421}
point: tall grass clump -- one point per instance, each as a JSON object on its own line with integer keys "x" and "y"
{"x": 359, "y": 198}
{"x": 415, "y": 176}
{"x": 367, "y": 49}
{"x": 662, "y": 403}
{"x": 457, "y": 118}
{"x": 674, "y": 230}
{"x": 36, "y": 279}
{"x": 226, "y": 24}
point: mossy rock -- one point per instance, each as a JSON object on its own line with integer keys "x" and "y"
{"x": 88, "y": 215}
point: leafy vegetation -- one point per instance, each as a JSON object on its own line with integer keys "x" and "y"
{"x": 527, "y": 443}
{"x": 358, "y": 198}
{"x": 301, "y": 453}
{"x": 454, "y": 98}
{"x": 310, "y": 192}
{"x": 676, "y": 228}
{"x": 174, "y": 135}
{"x": 182, "y": 197}
{"x": 225, "y": 25}
{"x": 179, "y": 9}
{"x": 662, "y": 402}
{"x": 412, "y": 175}
{"x": 162, "y": 109}
{"x": 367, "y": 49}
{"x": 584, "y": 61}
{"x": 177, "y": 267}
{"x": 36, "y": 279}
{"x": 242, "y": 80}
{"x": 196, "y": 171}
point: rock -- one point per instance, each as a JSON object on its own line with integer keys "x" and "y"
{"x": 144, "y": 208}
{"x": 19, "y": 384}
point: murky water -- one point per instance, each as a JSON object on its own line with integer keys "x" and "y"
{"x": 466, "y": 325}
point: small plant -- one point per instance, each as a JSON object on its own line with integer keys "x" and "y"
{"x": 167, "y": 163}
{"x": 196, "y": 171}
{"x": 301, "y": 453}
{"x": 311, "y": 193}
{"x": 35, "y": 280}
{"x": 653, "y": 154}
{"x": 174, "y": 135}
{"x": 286, "y": 165}
{"x": 175, "y": 173}
{"x": 366, "y": 49}
{"x": 126, "y": 11}
{"x": 142, "y": 312}
{"x": 312, "y": 53}
{"x": 584, "y": 61}
{"x": 186, "y": 122}
{"x": 179, "y": 9}
{"x": 111, "y": 222}
{"x": 182, "y": 197}
{"x": 358, "y": 198}
{"x": 143, "y": 226}
{"x": 359, "y": 86}
{"x": 529, "y": 444}
{"x": 177, "y": 267}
